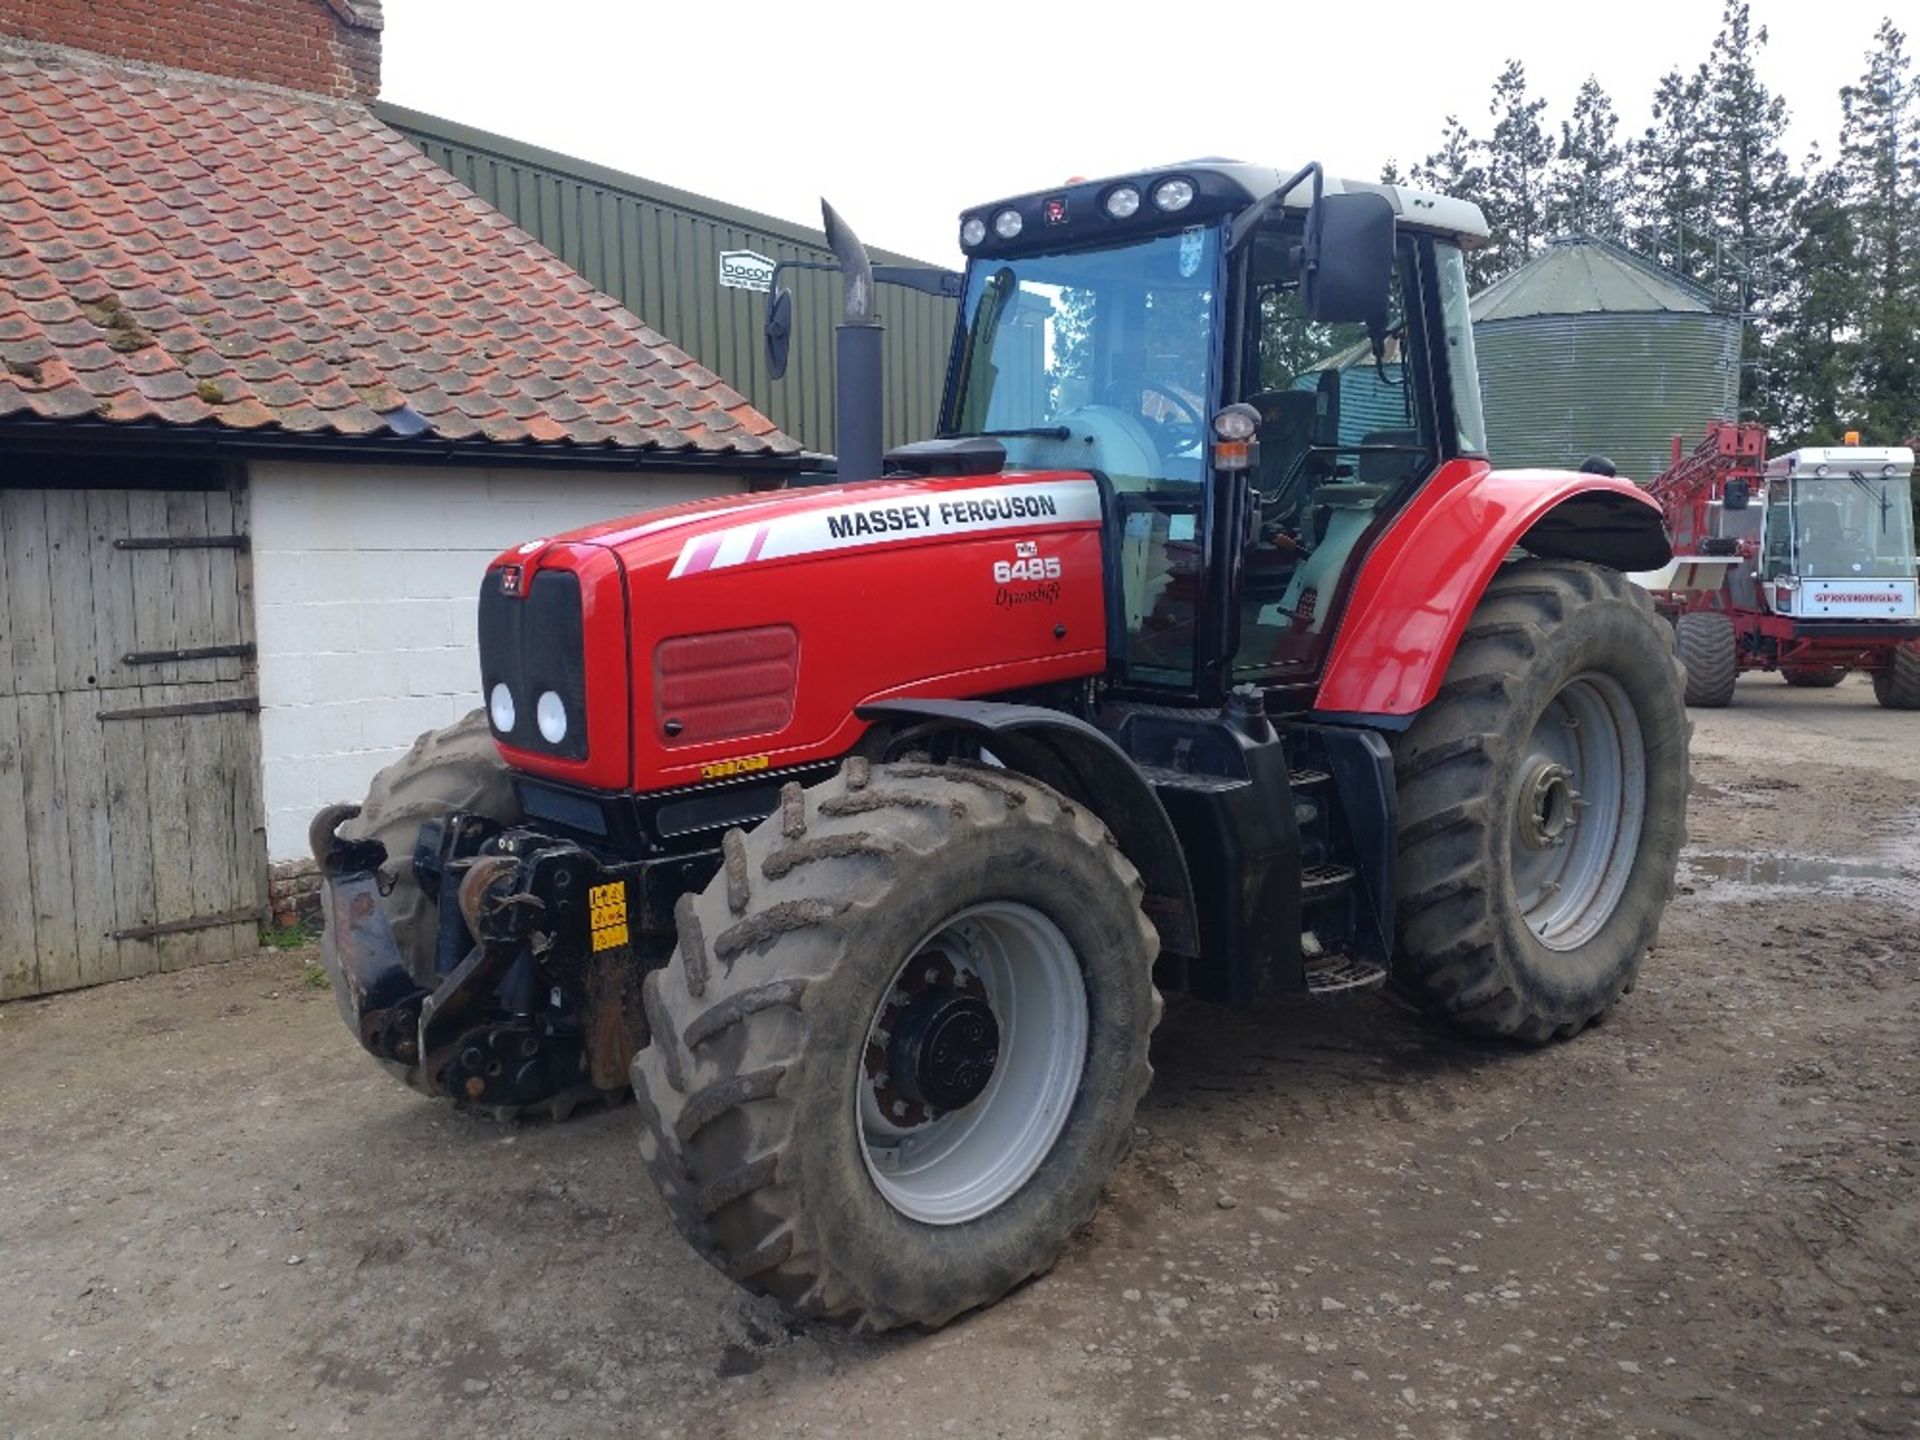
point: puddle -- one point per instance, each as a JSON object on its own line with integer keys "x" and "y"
{"x": 1723, "y": 876}
{"x": 1790, "y": 871}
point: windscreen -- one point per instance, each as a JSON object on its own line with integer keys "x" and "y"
{"x": 1119, "y": 339}
{"x": 1851, "y": 525}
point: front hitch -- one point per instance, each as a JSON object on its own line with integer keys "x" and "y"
{"x": 542, "y": 1002}
{"x": 378, "y": 998}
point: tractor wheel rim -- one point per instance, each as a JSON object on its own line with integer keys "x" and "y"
{"x": 948, "y": 1166}
{"x": 1579, "y": 806}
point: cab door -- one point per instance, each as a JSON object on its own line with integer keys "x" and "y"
{"x": 1349, "y": 430}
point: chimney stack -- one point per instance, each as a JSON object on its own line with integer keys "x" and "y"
{"x": 330, "y": 47}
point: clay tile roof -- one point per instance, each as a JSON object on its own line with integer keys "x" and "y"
{"x": 177, "y": 251}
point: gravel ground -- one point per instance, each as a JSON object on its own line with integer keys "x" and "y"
{"x": 1698, "y": 1219}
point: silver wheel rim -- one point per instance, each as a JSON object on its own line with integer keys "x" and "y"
{"x": 945, "y": 1167}
{"x": 1580, "y": 800}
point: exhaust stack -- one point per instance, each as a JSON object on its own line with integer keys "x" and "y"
{"x": 856, "y": 343}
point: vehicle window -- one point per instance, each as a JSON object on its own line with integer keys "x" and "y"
{"x": 1100, "y": 360}
{"x": 1344, "y": 437}
{"x": 1463, "y": 369}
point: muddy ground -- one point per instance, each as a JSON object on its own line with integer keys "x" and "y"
{"x": 1699, "y": 1219}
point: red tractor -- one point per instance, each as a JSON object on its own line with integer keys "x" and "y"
{"x": 1803, "y": 564}
{"x": 863, "y": 824}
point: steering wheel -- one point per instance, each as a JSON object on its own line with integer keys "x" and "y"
{"x": 1170, "y": 435}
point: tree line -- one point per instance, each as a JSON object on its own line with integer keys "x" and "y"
{"x": 1820, "y": 258}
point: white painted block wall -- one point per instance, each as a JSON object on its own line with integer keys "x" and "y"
{"x": 366, "y": 585}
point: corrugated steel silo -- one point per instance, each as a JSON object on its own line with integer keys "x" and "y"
{"x": 1590, "y": 349}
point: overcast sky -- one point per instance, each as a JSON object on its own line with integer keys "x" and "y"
{"x": 903, "y": 114}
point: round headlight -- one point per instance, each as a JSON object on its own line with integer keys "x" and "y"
{"x": 1819, "y": 470}
{"x": 1123, "y": 201}
{"x": 550, "y": 714}
{"x": 500, "y": 708}
{"x": 1007, "y": 224}
{"x": 1173, "y": 194}
{"x": 1236, "y": 423}
{"x": 972, "y": 231}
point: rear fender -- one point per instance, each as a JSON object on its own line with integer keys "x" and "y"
{"x": 1419, "y": 585}
{"x": 1074, "y": 758}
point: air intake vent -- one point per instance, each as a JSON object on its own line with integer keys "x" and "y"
{"x": 724, "y": 685}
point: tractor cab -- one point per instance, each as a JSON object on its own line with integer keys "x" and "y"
{"x": 1836, "y": 534}
{"x": 1261, "y": 370}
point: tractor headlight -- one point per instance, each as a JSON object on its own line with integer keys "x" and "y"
{"x": 972, "y": 231}
{"x": 500, "y": 708}
{"x": 550, "y": 714}
{"x": 1007, "y": 224}
{"x": 1174, "y": 194}
{"x": 1123, "y": 202}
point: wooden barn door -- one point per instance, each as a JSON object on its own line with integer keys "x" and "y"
{"x": 130, "y": 813}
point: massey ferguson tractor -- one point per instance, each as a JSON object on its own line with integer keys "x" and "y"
{"x": 1804, "y": 564}
{"x": 861, "y": 825}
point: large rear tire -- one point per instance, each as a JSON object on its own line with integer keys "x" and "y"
{"x": 1704, "y": 641}
{"x": 1813, "y": 677}
{"x": 1542, "y": 806}
{"x": 455, "y": 768}
{"x": 896, "y": 918}
{"x": 1898, "y": 686}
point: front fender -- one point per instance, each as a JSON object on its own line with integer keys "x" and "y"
{"x": 1419, "y": 585}
{"x": 1074, "y": 758}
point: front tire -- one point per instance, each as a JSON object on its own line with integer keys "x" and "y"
{"x": 786, "y": 1083}
{"x": 1708, "y": 651}
{"x": 1542, "y": 806}
{"x": 1898, "y": 686}
{"x": 454, "y": 768}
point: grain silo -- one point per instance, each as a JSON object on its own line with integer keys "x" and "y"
{"x": 1590, "y": 349}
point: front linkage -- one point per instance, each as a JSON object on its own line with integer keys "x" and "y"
{"x": 541, "y": 947}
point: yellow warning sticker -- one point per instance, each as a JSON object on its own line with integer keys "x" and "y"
{"x": 607, "y": 915}
{"x": 743, "y": 765}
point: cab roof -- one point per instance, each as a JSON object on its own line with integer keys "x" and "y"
{"x": 1221, "y": 186}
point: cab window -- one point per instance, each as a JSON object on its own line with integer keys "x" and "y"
{"x": 1346, "y": 434}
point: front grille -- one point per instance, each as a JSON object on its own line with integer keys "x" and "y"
{"x": 533, "y": 645}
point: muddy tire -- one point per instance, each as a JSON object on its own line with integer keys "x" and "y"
{"x": 1705, "y": 643}
{"x": 1542, "y": 806}
{"x": 457, "y": 768}
{"x": 773, "y": 1117}
{"x": 1898, "y": 686}
{"x": 1813, "y": 677}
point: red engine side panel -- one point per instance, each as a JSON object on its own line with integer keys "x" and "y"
{"x": 755, "y": 625}
{"x": 1418, "y": 587}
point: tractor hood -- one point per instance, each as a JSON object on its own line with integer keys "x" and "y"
{"x": 741, "y": 633}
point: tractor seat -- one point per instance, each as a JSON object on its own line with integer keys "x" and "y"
{"x": 1288, "y": 424}
{"x": 1390, "y": 468}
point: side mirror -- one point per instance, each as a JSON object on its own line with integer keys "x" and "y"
{"x": 1349, "y": 258}
{"x": 779, "y": 331}
{"x": 1736, "y": 494}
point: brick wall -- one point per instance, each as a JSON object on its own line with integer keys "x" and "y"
{"x": 366, "y": 586}
{"x": 328, "y": 46}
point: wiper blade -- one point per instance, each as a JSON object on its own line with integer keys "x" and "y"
{"x": 1037, "y": 432}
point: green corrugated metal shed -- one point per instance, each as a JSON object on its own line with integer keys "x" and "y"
{"x": 1590, "y": 349}
{"x": 657, "y": 250}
